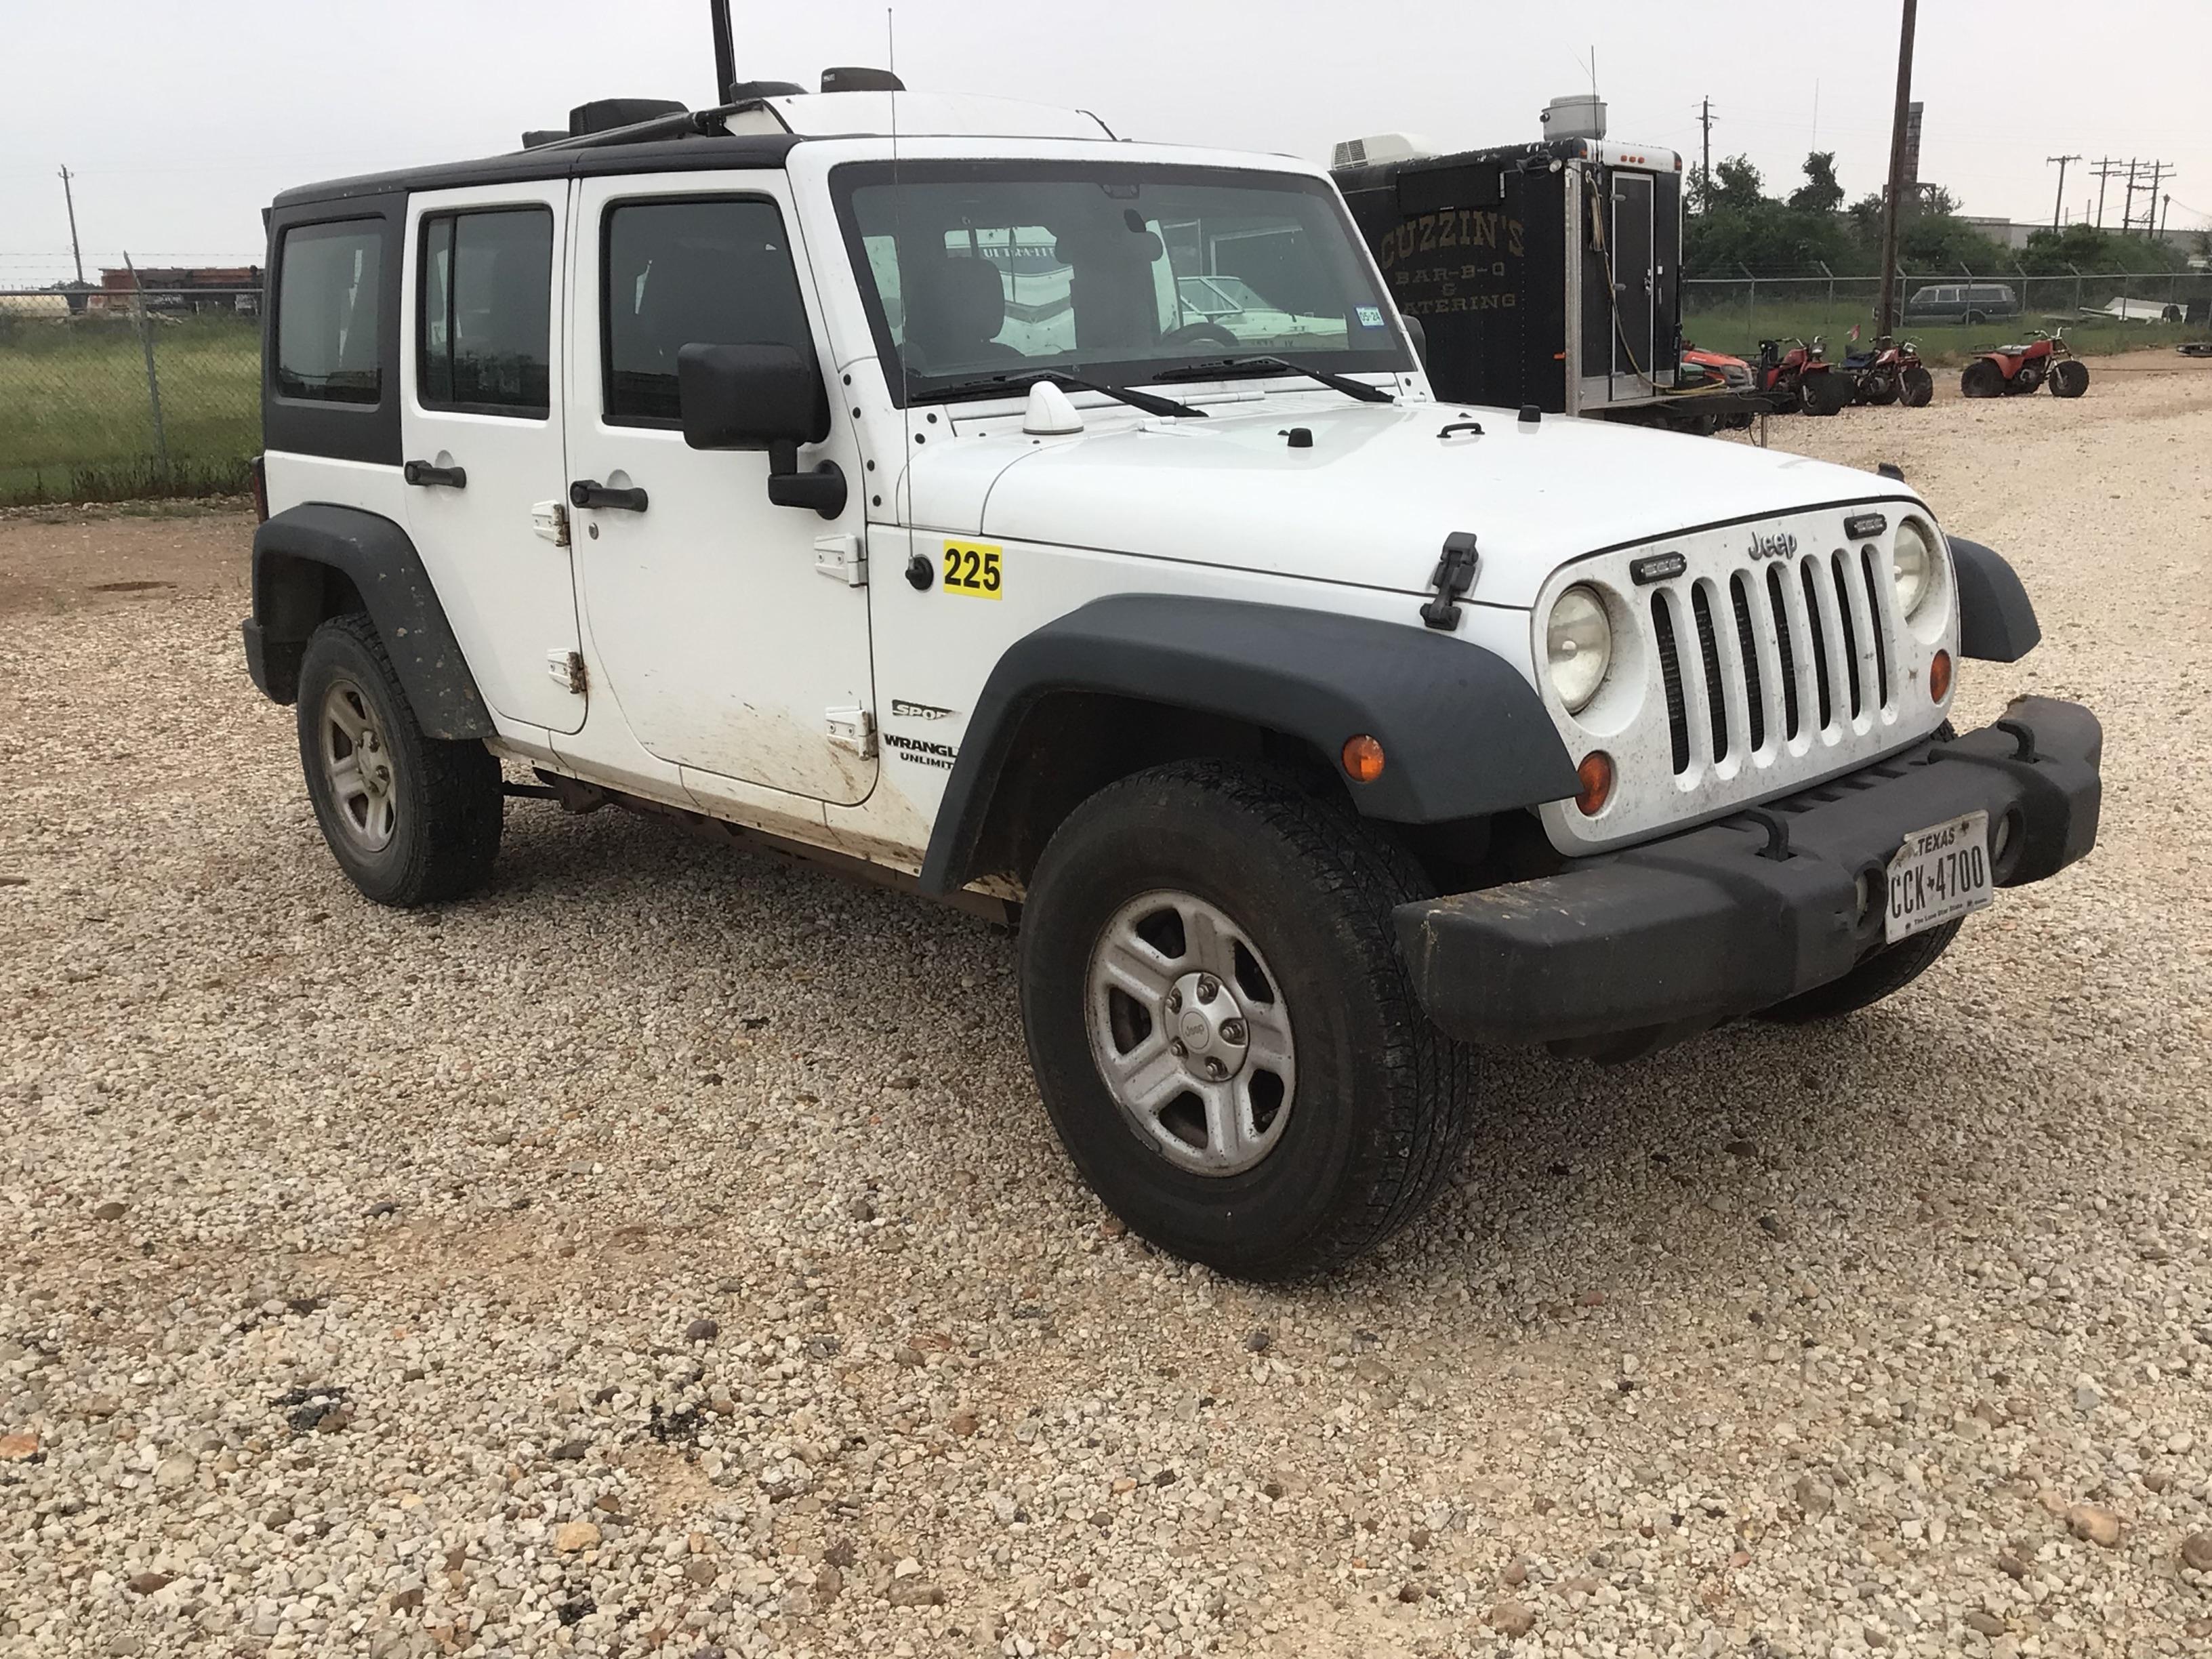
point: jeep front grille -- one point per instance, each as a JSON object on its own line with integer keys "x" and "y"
{"x": 1769, "y": 658}
{"x": 1825, "y": 615}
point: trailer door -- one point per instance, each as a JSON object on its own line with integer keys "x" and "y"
{"x": 1633, "y": 296}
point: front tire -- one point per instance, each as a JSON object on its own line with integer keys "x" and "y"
{"x": 411, "y": 819}
{"x": 2069, "y": 378}
{"x": 1305, "y": 1110}
{"x": 1919, "y": 388}
{"x": 1824, "y": 394}
{"x": 1880, "y": 976}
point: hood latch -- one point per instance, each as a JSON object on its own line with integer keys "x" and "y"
{"x": 1455, "y": 577}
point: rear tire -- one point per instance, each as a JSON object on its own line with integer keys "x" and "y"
{"x": 1919, "y": 388}
{"x": 1881, "y": 392}
{"x": 1291, "y": 898}
{"x": 410, "y": 818}
{"x": 1981, "y": 378}
{"x": 2069, "y": 378}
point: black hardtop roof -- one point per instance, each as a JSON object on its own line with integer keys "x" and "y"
{"x": 696, "y": 152}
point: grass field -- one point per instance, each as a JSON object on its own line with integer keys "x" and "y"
{"x": 1735, "y": 328}
{"x": 77, "y": 424}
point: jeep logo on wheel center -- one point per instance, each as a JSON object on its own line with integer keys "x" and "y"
{"x": 1238, "y": 792}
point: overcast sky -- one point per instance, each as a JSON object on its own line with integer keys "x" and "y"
{"x": 181, "y": 121}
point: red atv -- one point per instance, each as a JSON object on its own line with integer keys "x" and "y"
{"x": 1802, "y": 377}
{"x": 2015, "y": 369}
{"x": 1890, "y": 371}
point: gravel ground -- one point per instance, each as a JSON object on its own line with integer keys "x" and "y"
{"x": 667, "y": 1252}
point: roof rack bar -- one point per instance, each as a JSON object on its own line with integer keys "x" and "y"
{"x": 686, "y": 124}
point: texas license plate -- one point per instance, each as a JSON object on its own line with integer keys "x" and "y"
{"x": 1940, "y": 873}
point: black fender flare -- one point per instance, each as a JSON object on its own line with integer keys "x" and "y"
{"x": 1463, "y": 734}
{"x": 292, "y": 553}
{"x": 1997, "y": 621}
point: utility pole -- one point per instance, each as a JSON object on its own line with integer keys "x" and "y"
{"x": 75, "y": 253}
{"x": 2150, "y": 199}
{"x": 1886, "y": 307}
{"x": 2104, "y": 170}
{"x": 1705, "y": 121}
{"x": 2128, "y": 212}
{"x": 2165, "y": 212}
{"x": 2058, "y": 207}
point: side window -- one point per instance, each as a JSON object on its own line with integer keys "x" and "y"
{"x": 327, "y": 282}
{"x": 683, "y": 271}
{"x": 486, "y": 325}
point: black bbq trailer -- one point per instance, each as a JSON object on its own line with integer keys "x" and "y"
{"x": 1545, "y": 274}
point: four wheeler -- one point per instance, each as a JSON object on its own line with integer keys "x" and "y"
{"x": 1712, "y": 373}
{"x": 1804, "y": 375}
{"x": 2015, "y": 369}
{"x": 1888, "y": 372}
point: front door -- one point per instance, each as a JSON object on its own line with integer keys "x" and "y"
{"x": 481, "y": 420}
{"x": 733, "y": 632}
{"x": 1633, "y": 298}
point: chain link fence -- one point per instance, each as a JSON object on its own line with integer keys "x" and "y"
{"x": 107, "y": 394}
{"x": 1950, "y": 315}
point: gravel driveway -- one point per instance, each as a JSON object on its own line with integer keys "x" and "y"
{"x": 668, "y": 1252}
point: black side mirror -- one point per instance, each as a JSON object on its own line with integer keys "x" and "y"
{"x": 761, "y": 397}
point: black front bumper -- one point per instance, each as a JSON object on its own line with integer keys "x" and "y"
{"x": 1676, "y": 934}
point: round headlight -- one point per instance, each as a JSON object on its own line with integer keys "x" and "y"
{"x": 1912, "y": 564}
{"x": 1578, "y": 646}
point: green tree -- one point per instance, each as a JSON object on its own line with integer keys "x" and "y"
{"x": 1819, "y": 194}
{"x": 2055, "y": 252}
{"x": 1736, "y": 185}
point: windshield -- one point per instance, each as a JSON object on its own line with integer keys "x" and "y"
{"x": 1113, "y": 272}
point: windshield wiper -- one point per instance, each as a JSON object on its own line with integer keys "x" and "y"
{"x": 1216, "y": 368}
{"x": 1002, "y": 384}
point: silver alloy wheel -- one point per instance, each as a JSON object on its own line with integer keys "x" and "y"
{"x": 1190, "y": 1032}
{"x": 357, "y": 764}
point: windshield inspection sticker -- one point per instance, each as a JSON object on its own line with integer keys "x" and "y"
{"x": 1369, "y": 316}
{"x": 973, "y": 568}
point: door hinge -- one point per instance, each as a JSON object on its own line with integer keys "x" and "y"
{"x": 567, "y": 668}
{"x": 550, "y": 521}
{"x": 842, "y": 557}
{"x": 854, "y": 729}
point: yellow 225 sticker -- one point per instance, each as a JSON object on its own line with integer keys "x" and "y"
{"x": 972, "y": 568}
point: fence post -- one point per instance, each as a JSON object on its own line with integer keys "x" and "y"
{"x": 2076, "y": 269}
{"x": 1831, "y": 276}
{"x": 153, "y": 380}
{"x": 1751, "y": 310}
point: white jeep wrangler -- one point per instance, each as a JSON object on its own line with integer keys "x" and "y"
{"x": 901, "y": 500}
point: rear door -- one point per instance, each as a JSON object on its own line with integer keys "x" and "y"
{"x": 1632, "y": 286}
{"x": 481, "y": 424}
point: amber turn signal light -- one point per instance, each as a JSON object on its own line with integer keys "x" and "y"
{"x": 1363, "y": 759}
{"x": 1939, "y": 676}
{"x": 1596, "y": 773}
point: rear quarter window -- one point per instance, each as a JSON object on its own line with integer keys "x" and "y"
{"x": 329, "y": 286}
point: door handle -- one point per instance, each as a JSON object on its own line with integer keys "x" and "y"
{"x": 445, "y": 477}
{"x": 590, "y": 492}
